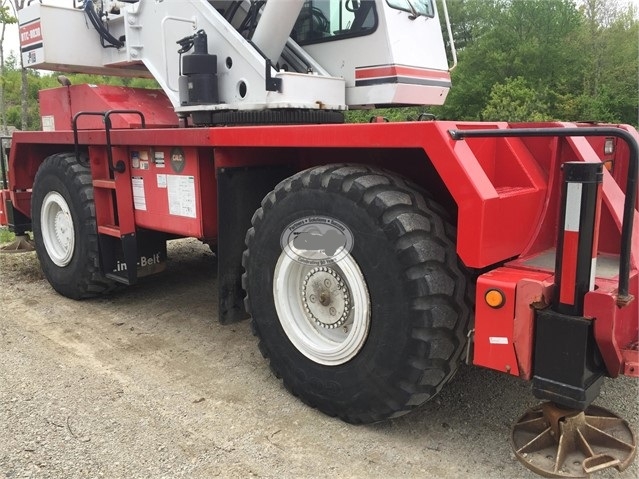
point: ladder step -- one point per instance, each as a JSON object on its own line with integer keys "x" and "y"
{"x": 118, "y": 278}
{"x": 109, "y": 184}
{"x": 110, "y": 230}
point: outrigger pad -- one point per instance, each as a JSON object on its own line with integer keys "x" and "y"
{"x": 557, "y": 442}
{"x": 22, "y": 244}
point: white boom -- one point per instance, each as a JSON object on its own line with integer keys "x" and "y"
{"x": 275, "y": 54}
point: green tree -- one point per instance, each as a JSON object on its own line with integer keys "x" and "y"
{"x": 515, "y": 101}
{"x": 13, "y": 95}
{"x": 609, "y": 53}
{"x": 470, "y": 20}
{"x": 520, "y": 38}
{"x": 6, "y": 18}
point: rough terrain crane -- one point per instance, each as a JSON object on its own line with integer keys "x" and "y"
{"x": 372, "y": 258}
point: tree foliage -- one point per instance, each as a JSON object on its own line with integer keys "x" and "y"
{"x": 519, "y": 60}
{"x": 6, "y": 18}
{"x": 514, "y": 101}
{"x": 556, "y": 59}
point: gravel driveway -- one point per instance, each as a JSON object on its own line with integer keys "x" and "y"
{"x": 147, "y": 384}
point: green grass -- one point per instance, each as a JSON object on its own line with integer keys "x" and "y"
{"x": 5, "y": 235}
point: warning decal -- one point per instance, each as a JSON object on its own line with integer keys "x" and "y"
{"x": 139, "y": 198}
{"x": 161, "y": 181}
{"x": 181, "y": 191}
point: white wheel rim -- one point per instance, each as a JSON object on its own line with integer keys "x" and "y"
{"x": 58, "y": 234}
{"x": 331, "y": 333}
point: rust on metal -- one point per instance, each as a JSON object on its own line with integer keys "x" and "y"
{"x": 557, "y": 442}
{"x": 21, "y": 244}
{"x": 624, "y": 300}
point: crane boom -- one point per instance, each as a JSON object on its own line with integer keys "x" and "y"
{"x": 317, "y": 55}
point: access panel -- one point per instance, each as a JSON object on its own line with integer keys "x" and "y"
{"x": 174, "y": 190}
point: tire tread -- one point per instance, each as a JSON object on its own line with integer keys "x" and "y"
{"x": 411, "y": 221}
{"x": 90, "y": 282}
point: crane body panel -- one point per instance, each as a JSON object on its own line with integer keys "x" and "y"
{"x": 394, "y": 248}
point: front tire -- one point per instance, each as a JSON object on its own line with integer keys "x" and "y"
{"x": 64, "y": 227}
{"x": 400, "y": 300}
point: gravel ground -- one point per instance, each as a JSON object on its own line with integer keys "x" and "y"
{"x": 147, "y": 384}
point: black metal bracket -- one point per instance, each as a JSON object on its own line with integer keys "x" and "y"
{"x": 623, "y": 296}
{"x": 567, "y": 363}
{"x": 272, "y": 83}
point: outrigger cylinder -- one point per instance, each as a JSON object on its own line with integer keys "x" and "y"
{"x": 576, "y": 260}
{"x": 568, "y": 368}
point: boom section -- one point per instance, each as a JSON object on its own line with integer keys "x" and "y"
{"x": 311, "y": 55}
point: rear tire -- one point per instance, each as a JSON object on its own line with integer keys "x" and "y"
{"x": 406, "y": 292}
{"x": 64, "y": 228}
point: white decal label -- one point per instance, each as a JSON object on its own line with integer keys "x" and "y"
{"x": 161, "y": 181}
{"x": 159, "y": 159}
{"x": 139, "y": 198}
{"x": 48, "y": 123}
{"x": 498, "y": 340}
{"x": 181, "y": 191}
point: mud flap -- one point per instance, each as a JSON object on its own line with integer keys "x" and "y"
{"x": 240, "y": 193}
{"x": 17, "y": 222}
{"x": 146, "y": 249}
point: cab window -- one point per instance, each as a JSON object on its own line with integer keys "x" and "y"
{"x": 326, "y": 20}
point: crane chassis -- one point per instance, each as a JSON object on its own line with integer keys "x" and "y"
{"x": 372, "y": 258}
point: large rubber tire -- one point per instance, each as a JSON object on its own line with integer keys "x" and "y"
{"x": 64, "y": 228}
{"x": 419, "y": 302}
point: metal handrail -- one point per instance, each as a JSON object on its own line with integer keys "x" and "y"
{"x": 106, "y": 117}
{"x": 451, "y": 38}
{"x": 623, "y": 296}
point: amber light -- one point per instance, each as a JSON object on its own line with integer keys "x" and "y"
{"x": 608, "y": 165}
{"x": 494, "y": 298}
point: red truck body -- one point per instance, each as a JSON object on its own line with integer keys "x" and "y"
{"x": 503, "y": 193}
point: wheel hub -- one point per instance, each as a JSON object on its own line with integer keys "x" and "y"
{"x": 58, "y": 233}
{"x": 62, "y": 225}
{"x": 332, "y": 326}
{"x": 326, "y": 297}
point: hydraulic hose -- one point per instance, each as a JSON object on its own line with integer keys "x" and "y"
{"x": 105, "y": 36}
